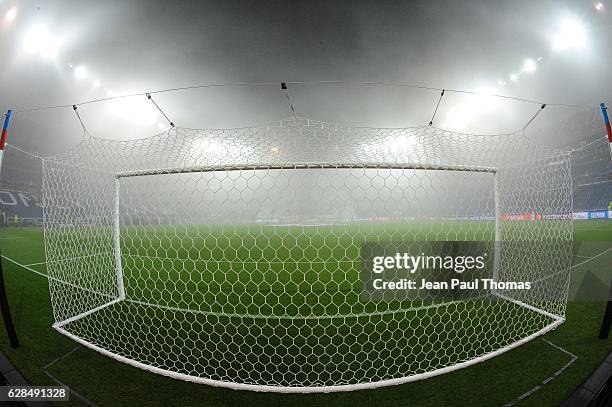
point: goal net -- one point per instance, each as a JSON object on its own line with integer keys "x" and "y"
{"x": 234, "y": 257}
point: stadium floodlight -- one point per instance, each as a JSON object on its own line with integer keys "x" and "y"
{"x": 231, "y": 257}
{"x": 96, "y": 83}
{"x": 570, "y": 36}
{"x": 514, "y": 77}
{"x": 529, "y": 66}
{"x": 10, "y": 14}
{"x": 38, "y": 40}
{"x": 599, "y": 6}
{"x": 80, "y": 72}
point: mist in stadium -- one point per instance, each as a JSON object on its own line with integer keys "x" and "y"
{"x": 196, "y": 198}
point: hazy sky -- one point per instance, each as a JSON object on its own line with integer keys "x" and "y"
{"x": 133, "y": 46}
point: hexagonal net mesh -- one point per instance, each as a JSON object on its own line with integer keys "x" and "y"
{"x": 232, "y": 257}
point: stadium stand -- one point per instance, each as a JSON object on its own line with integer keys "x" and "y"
{"x": 19, "y": 207}
{"x": 592, "y": 175}
{"x": 592, "y": 196}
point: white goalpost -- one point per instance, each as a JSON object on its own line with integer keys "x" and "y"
{"x": 117, "y": 240}
{"x": 234, "y": 257}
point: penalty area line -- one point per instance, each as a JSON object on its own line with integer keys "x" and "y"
{"x": 591, "y": 258}
{"x": 35, "y": 264}
{"x": 59, "y": 382}
{"x": 573, "y": 266}
{"x": 549, "y": 379}
{"x": 27, "y": 267}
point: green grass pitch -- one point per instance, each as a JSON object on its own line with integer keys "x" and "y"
{"x": 108, "y": 382}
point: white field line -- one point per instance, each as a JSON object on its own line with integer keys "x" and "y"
{"x": 530, "y": 307}
{"x": 86, "y": 313}
{"x": 548, "y": 379}
{"x": 59, "y": 359}
{"x": 70, "y": 389}
{"x": 35, "y": 264}
{"x": 591, "y": 258}
{"x": 571, "y": 267}
{"x": 27, "y": 267}
{"x": 240, "y": 261}
{"x": 302, "y": 225}
{"x": 299, "y": 317}
{"x": 68, "y": 259}
{"x": 57, "y": 280}
{"x": 57, "y": 381}
{"x": 64, "y": 356}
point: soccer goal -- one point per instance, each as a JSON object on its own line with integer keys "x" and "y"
{"x": 234, "y": 257}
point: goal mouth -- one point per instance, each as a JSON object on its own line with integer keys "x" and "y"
{"x": 232, "y": 257}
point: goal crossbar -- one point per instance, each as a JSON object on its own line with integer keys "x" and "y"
{"x": 306, "y": 166}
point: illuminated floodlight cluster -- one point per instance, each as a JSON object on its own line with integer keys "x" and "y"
{"x": 571, "y": 36}
{"x": 529, "y": 66}
{"x": 39, "y": 41}
{"x": 80, "y": 72}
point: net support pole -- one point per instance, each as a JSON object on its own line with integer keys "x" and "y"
{"x": 117, "y": 241}
{"x": 606, "y": 121}
{"x": 4, "y": 135}
{"x": 284, "y": 87}
{"x": 497, "y": 242}
{"x": 606, "y": 323}
{"x": 6, "y": 312}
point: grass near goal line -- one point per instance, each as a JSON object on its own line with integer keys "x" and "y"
{"x": 108, "y": 382}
